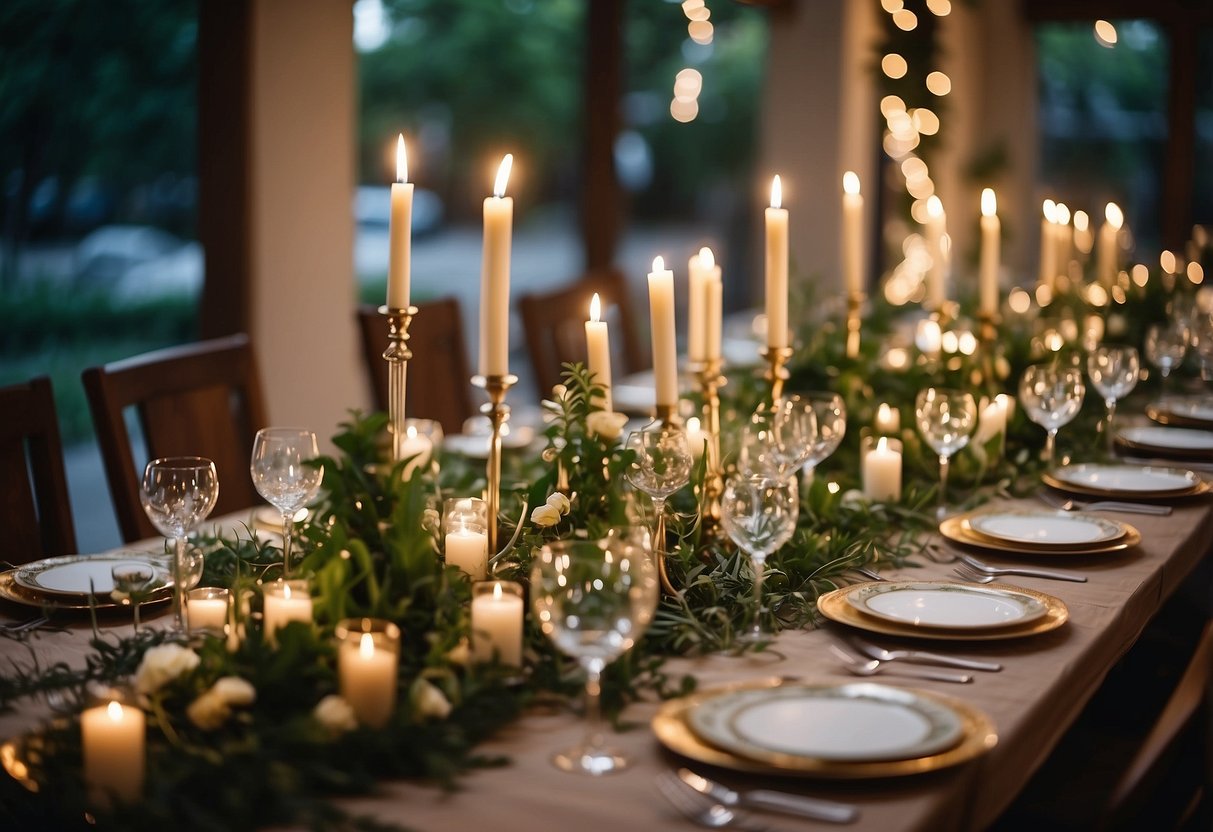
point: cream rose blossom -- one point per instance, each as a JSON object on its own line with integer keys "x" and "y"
{"x": 605, "y": 424}
{"x": 429, "y": 701}
{"x": 545, "y": 515}
{"x": 559, "y": 502}
{"x": 235, "y": 691}
{"x": 335, "y": 714}
{"x": 208, "y": 711}
{"x": 162, "y": 664}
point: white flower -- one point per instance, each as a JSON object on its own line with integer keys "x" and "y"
{"x": 605, "y": 424}
{"x": 545, "y": 515}
{"x": 559, "y": 391}
{"x": 430, "y": 520}
{"x": 162, "y": 664}
{"x": 234, "y": 691}
{"x": 460, "y": 653}
{"x": 208, "y": 711}
{"x": 429, "y": 701}
{"x": 852, "y": 497}
{"x": 559, "y": 502}
{"x": 335, "y": 714}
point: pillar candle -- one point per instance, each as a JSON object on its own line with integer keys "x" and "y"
{"x": 366, "y": 675}
{"x": 112, "y": 740}
{"x": 777, "y": 269}
{"x": 469, "y": 550}
{"x": 936, "y": 228}
{"x": 598, "y": 350}
{"x": 1106, "y": 260}
{"x": 882, "y": 473}
{"x": 416, "y": 448}
{"x": 695, "y": 436}
{"x": 888, "y": 420}
{"x": 495, "y": 277}
{"x": 207, "y": 609}
{"x": 852, "y": 234}
{"x": 1048, "y": 248}
{"x": 497, "y": 623}
{"x": 284, "y": 602}
{"x": 400, "y": 233}
{"x": 993, "y": 420}
{"x": 661, "y": 321}
{"x": 991, "y": 230}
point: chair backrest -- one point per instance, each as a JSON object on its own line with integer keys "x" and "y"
{"x": 200, "y": 399}
{"x": 554, "y": 323}
{"x": 35, "y": 511}
{"x": 438, "y": 384}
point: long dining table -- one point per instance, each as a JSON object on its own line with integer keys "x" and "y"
{"x": 1046, "y": 681}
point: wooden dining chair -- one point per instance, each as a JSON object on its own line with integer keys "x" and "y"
{"x": 438, "y": 382}
{"x": 35, "y": 510}
{"x": 554, "y": 323}
{"x": 200, "y": 399}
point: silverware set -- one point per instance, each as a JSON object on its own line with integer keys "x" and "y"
{"x": 17, "y": 628}
{"x": 715, "y": 806}
{"x": 972, "y": 569}
{"x": 1067, "y": 504}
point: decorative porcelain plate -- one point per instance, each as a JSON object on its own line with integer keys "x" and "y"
{"x": 81, "y": 575}
{"x": 956, "y": 530}
{"x": 1193, "y": 412}
{"x": 1045, "y": 528}
{"x": 939, "y": 604}
{"x": 857, "y": 722}
{"x": 1141, "y": 481}
{"x": 1167, "y": 440}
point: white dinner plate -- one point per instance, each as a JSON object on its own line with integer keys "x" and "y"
{"x": 81, "y": 574}
{"x": 858, "y": 722}
{"x": 1128, "y": 480}
{"x": 1045, "y": 528}
{"x": 1167, "y": 439}
{"x": 943, "y": 604}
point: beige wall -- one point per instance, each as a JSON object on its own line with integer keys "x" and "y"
{"x": 304, "y": 88}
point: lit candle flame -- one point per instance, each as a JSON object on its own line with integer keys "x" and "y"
{"x": 410, "y": 432}
{"x": 659, "y": 263}
{"x": 1114, "y": 215}
{"x": 366, "y": 646}
{"x": 1049, "y": 208}
{"x": 1063, "y": 214}
{"x": 503, "y": 175}
{"x": 850, "y": 182}
{"x": 693, "y": 425}
{"x": 935, "y": 206}
{"x": 497, "y": 592}
{"x": 595, "y": 309}
{"x": 114, "y": 712}
{"x": 989, "y": 202}
{"x": 883, "y": 444}
{"x": 1081, "y": 220}
{"x": 286, "y": 591}
{"x": 707, "y": 258}
{"x": 776, "y": 193}
{"x": 402, "y": 162}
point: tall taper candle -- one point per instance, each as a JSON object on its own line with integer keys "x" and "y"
{"x": 703, "y": 307}
{"x": 598, "y": 349}
{"x": 936, "y": 228}
{"x": 852, "y": 234}
{"x": 1106, "y": 260}
{"x": 777, "y": 268}
{"x": 1065, "y": 240}
{"x": 713, "y": 304}
{"x": 661, "y": 321}
{"x": 495, "y": 277}
{"x": 991, "y": 230}
{"x": 400, "y": 233}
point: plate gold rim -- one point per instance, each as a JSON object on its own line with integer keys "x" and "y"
{"x": 1167, "y": 450}
{"x": 970, "y": 530}
{"x": 14, "y": 592}
{"x": 834, "y": 606}
{"x": 1166, "y": 417}
{"x": 46, "y": 564}
{"x": 954, "y": 531}
{"x": 983, "y": 589}
{"x": 1200, "y": 487}
{"x": 671, "y": 729}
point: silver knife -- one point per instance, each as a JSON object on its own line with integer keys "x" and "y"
{"x": 921, "y": 657}
{"x": 789, "y": 804}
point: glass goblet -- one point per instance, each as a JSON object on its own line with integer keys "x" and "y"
{"x": 946, "y": 419}
{"x": 1114, "y": 372}
{"x": 759, "y": 515}
{"x": 1166, "y": 345}
{"x": 592, "y": 599}
{"x": 1202, "y": 342}
{"x": 283, "y": 475}
{"x": 1051, "y": 396}
{"x": 661, "y": 465}
{"x": 830, "y": 412}
{"x": 177, "y": 494}
{"x": 776, "y": 442}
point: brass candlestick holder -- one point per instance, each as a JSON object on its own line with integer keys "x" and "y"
{"x": 499, "y": 413}
{"x": 397, "y": 356}
{"x": 776, "y": 373}
{"x": 710, "y": 377}
{"x": 854, "y": 310}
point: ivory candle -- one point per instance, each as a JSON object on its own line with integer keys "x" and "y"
{"x": 598, "y": 350}
{"x": 888, "y": 420}
{"x": 366, "y": 674}
{"x": 661, "y": 321}
{"x": 1065, "y": 240}
{"x": 1106, "y": 260}
{"x": 713, "y": 306}
{"x": 112, "y": 740}
{"x": 695, "y": 436}
{"x": 777, "y": 268}
{"x": 495, "y": 277}
{"x": 852, "y": 234}
{"x": 936, "y": 228}
{"x": 400, "y": 233}
{"x": 469, "y": 550}
{"x": 284, "y": 602}
{"x": 1048, "y": 248}
{"x": 417, "y": 449}
{"x": 991, "y": 230}
{"x": 882, "y": 473}
{"x": 704, "y": 307}
{"x": 207, "y": 608}
{"x": 497, "y": 623}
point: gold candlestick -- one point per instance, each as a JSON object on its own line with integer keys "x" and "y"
{"x": 711, "y": 378}
{"x": 397, "y": 356}
{"x": 499, "y": 413}
{"x": 854, "y": 308}
{"x": 777, "y": 373}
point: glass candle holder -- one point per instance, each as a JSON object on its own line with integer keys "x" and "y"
{"x": 465, "y": 528}
{"x": 284, "y": 602}
{"x": 112, "y": 740}
{"x": 207, "y": 608}
{"x": 881, "y": 464}
{"x": 497, "y": 617}
{"x": 368, "y": 659}
{"x": 422, "y": 439}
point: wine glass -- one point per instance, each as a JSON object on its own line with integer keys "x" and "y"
{"x": 593, "y": 600}
{"x": 778, "y": 441}
{"x": 759, "y": 514}
{"x": 1051, "y": 396}
{"x": 282, "y": 475}
{"x": 830, "y": 412}
{"x": 946, "y": 419}
{"x": 1114, "y": 372}
{"x": 178, "y": 493}
{"x": 1202, "y": 342}
{"x": 1166, "y": 345}
{"x": 661, "y": 465}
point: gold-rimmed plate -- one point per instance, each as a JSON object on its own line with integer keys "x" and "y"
{"x": 1168, "y": 441}
{"x": 953, "y": 529}
{"x": 945, "y": 605}
{"x": 671, "y": 727}
{"x": 1046, "y": 529}
{"x": 77, "y": 577}
{"x": 1126, "y": 481}
{"x": 14, "y": 592}
{"x": 835, "y": 606}
{"x": 1190, "y": 413}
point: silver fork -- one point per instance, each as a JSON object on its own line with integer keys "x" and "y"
{"x": 867, "y": 573}
{"x": 704, "y": 810}
{"x": 1069, "y": 504}
{"x": 984, "y": 568}
{"x": 24, "y": 626}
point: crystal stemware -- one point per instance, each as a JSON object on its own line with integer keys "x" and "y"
{"x": 776, "y": 442}
{"x": 283, "y": 475}
{"x": 177, "y": 494}
{"x": 946, "y": 419}
{"x": 759, "y": 515}
{"x": 1114, "y": 372}
{"x": 1166, "y": 345}
{"x": 830, "y": 412}
{"x": 1202, "y": 342}
{"x": 593, "y": 600}
{"x": 661, "y": 465}
{"x": 1051, "y": 396}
